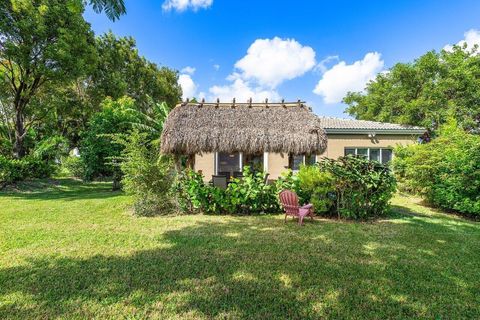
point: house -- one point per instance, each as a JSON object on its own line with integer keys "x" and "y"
{"x": 222, "y": 138}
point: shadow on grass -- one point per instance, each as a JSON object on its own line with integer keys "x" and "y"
{"x": 62, "y": 189}
{"x": 256, "y": 271}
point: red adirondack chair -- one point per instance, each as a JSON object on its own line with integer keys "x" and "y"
{"x": 289, "y": 201}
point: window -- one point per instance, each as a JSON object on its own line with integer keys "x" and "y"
{"x": 362, "y": 152}
{"x": 349, "y": 151}
{"x": 296, "y": 160}
{"x": 254, "y": 161}
{"x": 375, "y": 154}
{"x": 228, "y": 163}
{"x": 386, "y": 156}
{"x": 310, "y": 159}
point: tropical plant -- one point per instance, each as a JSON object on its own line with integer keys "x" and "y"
{"x": 112, "y": 8}
{"x": 252, "y": 194}
{"x": 445, "y": 171}
{"x": 147, "y": 175}
{"x": 363, "y": 188}
{"x": 317, "y": 187}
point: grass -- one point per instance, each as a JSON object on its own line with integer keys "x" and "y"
{"x": 74, "y": 251}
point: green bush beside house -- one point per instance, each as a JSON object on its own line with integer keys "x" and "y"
{"x": 350, "y": 187}
{"x": 446, "y": 171}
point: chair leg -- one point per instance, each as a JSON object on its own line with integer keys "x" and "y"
{"x": 285, "y": 218}
{"x": 300, "y": 220}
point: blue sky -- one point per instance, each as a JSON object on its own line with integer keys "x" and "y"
{"x": 309, "y": 50}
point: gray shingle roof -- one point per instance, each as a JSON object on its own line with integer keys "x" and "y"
{"x": 350, "y": 125}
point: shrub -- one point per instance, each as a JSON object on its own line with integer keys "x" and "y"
{"x": 445, "y": 171}
{"x": 250, "y": 194}
{"x": 289, "y": 181}
{"x": 147, "y": 175}
{"x": 74, "y": 166}
{"x": 13, "y": 170}
{"x": 317, "y": 188}
{"x": 363, "y": 188}
{"x": 194, "y": 195}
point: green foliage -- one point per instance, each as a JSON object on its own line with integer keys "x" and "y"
{"x": 289, "y": 181}
{"x": 41, "y": 42}
{"x": 113, "y": 8}
{"x": 121, "y": 71}
{"x": 74, "y": 166}
{"x": 363, "y": 188}
{"x": 147, "y": 175}
{"x": 425, "y": 92}
{"x": 194, "y": 195}
{"x": 445, "y": 171}
{"x": 318, "y": 188}
{"x": 96, "y": 148}
{"x": 51, "y": 148}
{"x": 13, "y": 170}
{"x": 250, "y": 194}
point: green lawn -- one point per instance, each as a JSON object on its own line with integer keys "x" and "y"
{"x": 74, "y": 251}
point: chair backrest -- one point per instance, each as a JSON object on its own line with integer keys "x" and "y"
{"x": 220, "y": 182}
{"x": 289, "y": 201}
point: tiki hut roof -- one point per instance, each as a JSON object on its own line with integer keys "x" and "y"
{"x": 242, "y": 127}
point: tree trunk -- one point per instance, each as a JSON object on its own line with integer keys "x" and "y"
{"x": 19, "y": 146}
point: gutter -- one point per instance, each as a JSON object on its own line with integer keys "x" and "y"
{"x": 413, "y": 131}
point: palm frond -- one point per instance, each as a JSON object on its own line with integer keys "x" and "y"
{"x": 112, "y": 8}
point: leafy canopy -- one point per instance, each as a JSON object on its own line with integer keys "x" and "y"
{"x": 121, "y": 71}
{"x": 41, "y": 41}
{"x": 425, "y": 92}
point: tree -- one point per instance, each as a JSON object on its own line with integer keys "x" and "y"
{"x": 113, "y": 8}
{"x": 445, "y": 171}
{"x": 97, "y": 149}
{"x": 424, "y": 92}
{"x": 121, "y": 71}
{"x": 41, "y": 41}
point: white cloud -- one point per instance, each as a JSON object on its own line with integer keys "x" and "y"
{"x": 189, "y": 88}
{"x": 343, "y": 77}
{"x": 267, "y": 64}
{"x": 182, "y": 5}
{"x": 272, "y": 61}
{"x": 322, "y": 65}
{"x": 242, "y": 91}
{"x": 188, "y": 70}
{"x": 472, "y": 38}
{"x": 216, "y": 67}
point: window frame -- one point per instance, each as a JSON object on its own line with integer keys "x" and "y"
{"x": 240, "y": 158}
{"x": 304, "y": 157}
{"x": 380, "y": 149}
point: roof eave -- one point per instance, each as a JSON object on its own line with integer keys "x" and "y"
{"x": 376, "y": 131}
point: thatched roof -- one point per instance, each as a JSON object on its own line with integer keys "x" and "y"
{"x": 242, "y": 127}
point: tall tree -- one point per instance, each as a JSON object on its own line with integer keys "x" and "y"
{"x": 121, "y": 71}
{"x": 41, "y": 41}
{"x": 425, "y": 92}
